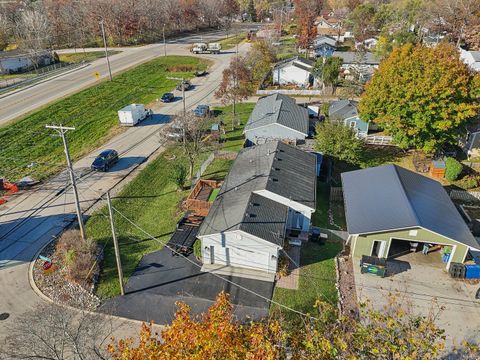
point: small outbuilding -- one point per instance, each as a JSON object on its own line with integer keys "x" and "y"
{"x": 295, "y": 71}
{"x": 346, "y": 113}
{"x": 391, "y": 210}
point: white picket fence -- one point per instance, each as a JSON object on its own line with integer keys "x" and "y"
{"x": 381, "y": 140}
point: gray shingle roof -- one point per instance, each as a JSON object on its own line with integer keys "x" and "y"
{"x": 390, "y": 197}
{"x": 475, "y": 55}
{"x": 351, "y": 57}
{"x": 324, "y": 39}
{"x": 296, "y": 61}
{"x": 342, "y": 109}
{"x": 273, "y": 166}
{"x": 280, "y": 109}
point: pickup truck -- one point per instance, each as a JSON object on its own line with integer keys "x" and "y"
{"x": 203, "y": 48}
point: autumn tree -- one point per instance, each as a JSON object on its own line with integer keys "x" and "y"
{"x": 215, "y": 334}
{"x": 260, "y": 59}
{"x": 327, "y": 71}
{"x": 338, "y": 141}
{"x": 236, "y": 84}
{"x": 305, "y": 14}
{"x": 361, "y": 19}
{"x": 423, "y": 97}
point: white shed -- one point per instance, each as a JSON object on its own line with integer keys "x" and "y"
{"x": 297, "y": 71}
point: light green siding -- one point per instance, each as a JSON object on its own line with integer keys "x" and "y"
{"x": 363, "y": 244}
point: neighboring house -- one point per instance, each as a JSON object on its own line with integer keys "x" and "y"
{"x": 295, "y": 71}
{"x": 363, "y": 65}
{"x": 471, "y": 142}
{"x": 269, "y": 191}
{"x": 389, "y": 209}
{"x": 346, "y": 113}
{"x": 324, "y": 46}
{"x": 471, "y": 58}
{"x": 16, "y": 61}
{"x": 276, "y": 117}
{"x": 368, "y": 44}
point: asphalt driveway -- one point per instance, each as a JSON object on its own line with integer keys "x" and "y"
{"x": 420, "y": 281}
{"x": 161, "y": 279}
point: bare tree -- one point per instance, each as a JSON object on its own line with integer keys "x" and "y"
{"x": 194, "y": 131}
{"x": 56, "y": 333}
{"x": 32, "y": 32}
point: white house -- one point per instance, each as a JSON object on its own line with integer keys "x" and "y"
{"x": 295, "y": 71}
{"x": 269, "y": 191}
{"x": 276, "y": 117}
{"x": 471, "y": 58}
{"x": 368, "y": 44}
{"x": 18, "y": 61}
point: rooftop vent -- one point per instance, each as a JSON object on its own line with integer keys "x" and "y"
{"x": 250, "y": 215}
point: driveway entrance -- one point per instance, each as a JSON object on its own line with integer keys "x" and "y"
{"x": 420, "y": 280}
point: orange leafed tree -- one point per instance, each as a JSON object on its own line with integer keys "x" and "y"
{"x": 213, "y": 335}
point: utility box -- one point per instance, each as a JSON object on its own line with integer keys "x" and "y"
{"x": 132, "y": 114}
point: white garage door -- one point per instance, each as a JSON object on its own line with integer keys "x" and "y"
{"x": 234, "y": 256}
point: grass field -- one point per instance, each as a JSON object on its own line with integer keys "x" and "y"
{"x": 80, "y": 56}
{"x": 152, "y": 201}
{"x": 317, "y": 281}
{"x": 92, "y": 111}
{"x": 232, "y": 41}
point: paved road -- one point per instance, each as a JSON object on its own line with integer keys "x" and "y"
{"x": 29, "y": 99}
{"x": 29, "y": 220}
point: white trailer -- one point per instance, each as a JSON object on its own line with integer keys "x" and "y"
{"x": 132, "y": 114}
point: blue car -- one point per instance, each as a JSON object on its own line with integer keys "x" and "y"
{"x": 105, "y": 160}
{"x": 167, "y": 97}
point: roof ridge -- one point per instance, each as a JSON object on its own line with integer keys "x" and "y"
{"x": 412, "y": 209}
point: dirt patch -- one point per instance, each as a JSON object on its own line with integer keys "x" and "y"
{"x": 346, "y": 285}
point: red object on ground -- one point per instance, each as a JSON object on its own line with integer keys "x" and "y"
{"x": 10, "y": 187}
{"x": 47, "y": 265}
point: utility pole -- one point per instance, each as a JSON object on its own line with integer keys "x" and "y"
{"x": 164, "y": 42}
{"x": 115, "y": 244}
{"x": 106, "y": 50}
{"x": 183, "y": 91}
{"x": 235, "y": 84}
{"x": 62, "y": 130}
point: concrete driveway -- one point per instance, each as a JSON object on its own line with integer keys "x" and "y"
{"x": 161, "y": 279}
{"x": 420, "y": 281}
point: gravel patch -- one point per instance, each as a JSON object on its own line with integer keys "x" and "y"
{"x": 346, "y": 285}
{"x": 54, "y": 283}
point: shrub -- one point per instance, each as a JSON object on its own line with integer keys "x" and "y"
{"x": 467, "y": 182}
{"x": 78, "y": 256}
{"x": 179, "y": 174}
{"x": 197, "y": 249}
{"x": 181, "y": 68}
{"x": 453, "y": 169}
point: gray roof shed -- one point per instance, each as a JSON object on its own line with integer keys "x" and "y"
{"x": 389, "y": 197}
{"x": 279, "y": 168}
{"x": 278, "y": 109}
{"x": 342, "y": 109}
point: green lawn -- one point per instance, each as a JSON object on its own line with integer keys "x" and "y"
{"x": 152, "y": 201}
{"x": 92, "y": 111}
{"x": 317, "y": 281}
{"x": 232, "y": 41}
{"x": 80, "y": 56}
{"x": 217, "y": 170}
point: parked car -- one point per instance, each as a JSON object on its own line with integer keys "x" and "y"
{"x": 185, "y": 84}
{"x": 200, "y": 73}
{"x": 105, "y": 160}
{"x": 174, "y": 132}
{"x": 167, "y": 97}
{"x": 202, "y": 111}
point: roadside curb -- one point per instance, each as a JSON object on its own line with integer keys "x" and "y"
{"x": 42, "y": 81}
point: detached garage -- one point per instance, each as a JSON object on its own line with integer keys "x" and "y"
{"x": 391, "y": 210}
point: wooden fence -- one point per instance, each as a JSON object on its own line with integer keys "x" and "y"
{"x": 336, "y": 194}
